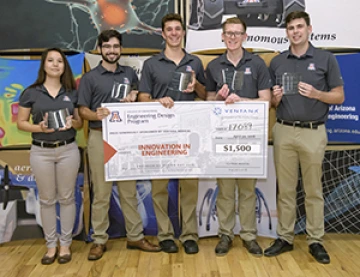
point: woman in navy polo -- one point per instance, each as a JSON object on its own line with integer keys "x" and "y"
{"x": 54, "y": 154}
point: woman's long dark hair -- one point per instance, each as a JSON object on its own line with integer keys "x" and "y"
{"x": 66, "y": 79}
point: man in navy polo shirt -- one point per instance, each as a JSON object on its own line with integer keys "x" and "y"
{"x": 156, "y": 77}
{"x": 256, "y": 87}
{"x": 300, "y": 134}
{"x": 95, "y": 88}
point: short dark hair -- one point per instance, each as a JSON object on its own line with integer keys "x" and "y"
{"x": 296, "y": 15}
{"x": 66, "y": 79}
{"x": 106, "y": 35}
{"x": 172, "y": 17}
{"x": 234, "y": 20}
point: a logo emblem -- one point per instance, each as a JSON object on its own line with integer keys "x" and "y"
{"x": 126, "y": 81}
{"x": 217, "y": 111}
{"x": 311, "y": 66}
{"x": 247, "y": 71}
{"x": 188, "y": 68}
{"x": 115, "y": 117}
{"x": 66, "y": 98}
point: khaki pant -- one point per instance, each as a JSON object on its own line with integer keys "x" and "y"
{"x": 225, "y": 205}
{"x": 102, "y": 192}
{"x": 188, "y": 202}
{"x": 56, "y": 170}
{"x": 293, "y": 145}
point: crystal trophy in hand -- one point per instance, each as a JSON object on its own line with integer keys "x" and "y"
{"x": 120, "y": 91}
{"x": 179, "y": 82}
{"x": 233, "y": 79}
{"x": 57, "y": 119}
{"x": 289, "y": 81}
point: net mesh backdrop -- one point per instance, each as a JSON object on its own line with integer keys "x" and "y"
{"x": 341, "y": 186}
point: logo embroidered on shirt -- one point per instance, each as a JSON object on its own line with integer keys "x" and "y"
{"x": 126, "y": 81}
{"x": 311, "y": 66}
{"x": 66, "y": 98}
{"x": 188, "y": 68}
{"x": 247, "y": 71}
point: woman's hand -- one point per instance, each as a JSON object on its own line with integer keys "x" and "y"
{"x": 44, "y": 125}
{"x": 68, "y": 124}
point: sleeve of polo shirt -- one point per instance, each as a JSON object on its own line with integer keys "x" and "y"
{"x": 75, "y": 98}
{"x": 135, "y": 80}
{"x": 26, "y": 100}
{"x": 85, "y": 92}
{"x": 333, "y": 76}
{"x": 146, "y": 82}
{"x": 210, "y": 83}
{"x": 272, "y": 73}
{"x": 200, "y": 73}
{"x": 264, "y": 80}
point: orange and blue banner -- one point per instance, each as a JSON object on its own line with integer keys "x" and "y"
{"x": 15, "y": 76}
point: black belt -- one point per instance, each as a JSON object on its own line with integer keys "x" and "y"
{"x": 96, "y": 128}
{"x": 301, "y": 124}
{"x": 54, "y": 144}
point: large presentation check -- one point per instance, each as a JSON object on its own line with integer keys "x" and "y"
{"x": 192, "y": 139}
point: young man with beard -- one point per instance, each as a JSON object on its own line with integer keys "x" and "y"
{"x": 256, "y": 87}
{"x": 95, "y": 88}
{"x": 300, "y": 135}
{"x": 155, "y": 79}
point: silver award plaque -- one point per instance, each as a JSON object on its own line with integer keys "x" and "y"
{"x": 120, "y": 91}
{"x": 180, "y": 81}
{"x": 57, "y": 119}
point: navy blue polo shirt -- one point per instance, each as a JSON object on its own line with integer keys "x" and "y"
{"x": 157, "y": 74}
{"x": 256, "y": 74}
{"x": 40, "y": 102}
{"x": 318, "y": 68}
{"x": 96, "y": 86}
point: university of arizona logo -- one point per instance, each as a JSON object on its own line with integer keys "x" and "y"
{"x": 247, "y": 71}
{"x": 126, "y": 81}
{"x": 188, "y": 68}
{"x": 115, "y": 117}
{"x": 311, "y": 66}
{"x": 66, "y": 98}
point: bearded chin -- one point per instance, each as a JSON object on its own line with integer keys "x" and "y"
{"x": 110, "y": 61}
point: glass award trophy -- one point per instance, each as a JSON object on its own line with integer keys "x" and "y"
{"x": 120, "y": 91}
{"x": 233, "y": 79}
{"x": 57, "y": 119}
{"x": 180, "y": 81}
{"x": 289, "y": 82}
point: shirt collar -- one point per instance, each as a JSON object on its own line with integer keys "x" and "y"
{"x": 42, "y": 88}
{"x": 187, "y": 57}
{"x": 103, "y": 70}
{"x": 309, "y": 52}
{"x": 246, "y": 57}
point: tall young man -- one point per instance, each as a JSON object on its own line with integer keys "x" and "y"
{"x": 256, "y": 87}
{"x": 300, "y": 135}
{"x": 154, "y": 86}
{"x": 95, "y": 88}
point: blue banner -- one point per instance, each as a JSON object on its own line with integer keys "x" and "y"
{"x": 343, "y": 122}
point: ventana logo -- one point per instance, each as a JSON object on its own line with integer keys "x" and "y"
{"x": 115, "y": 117}
{"x": 217, "y": 111}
